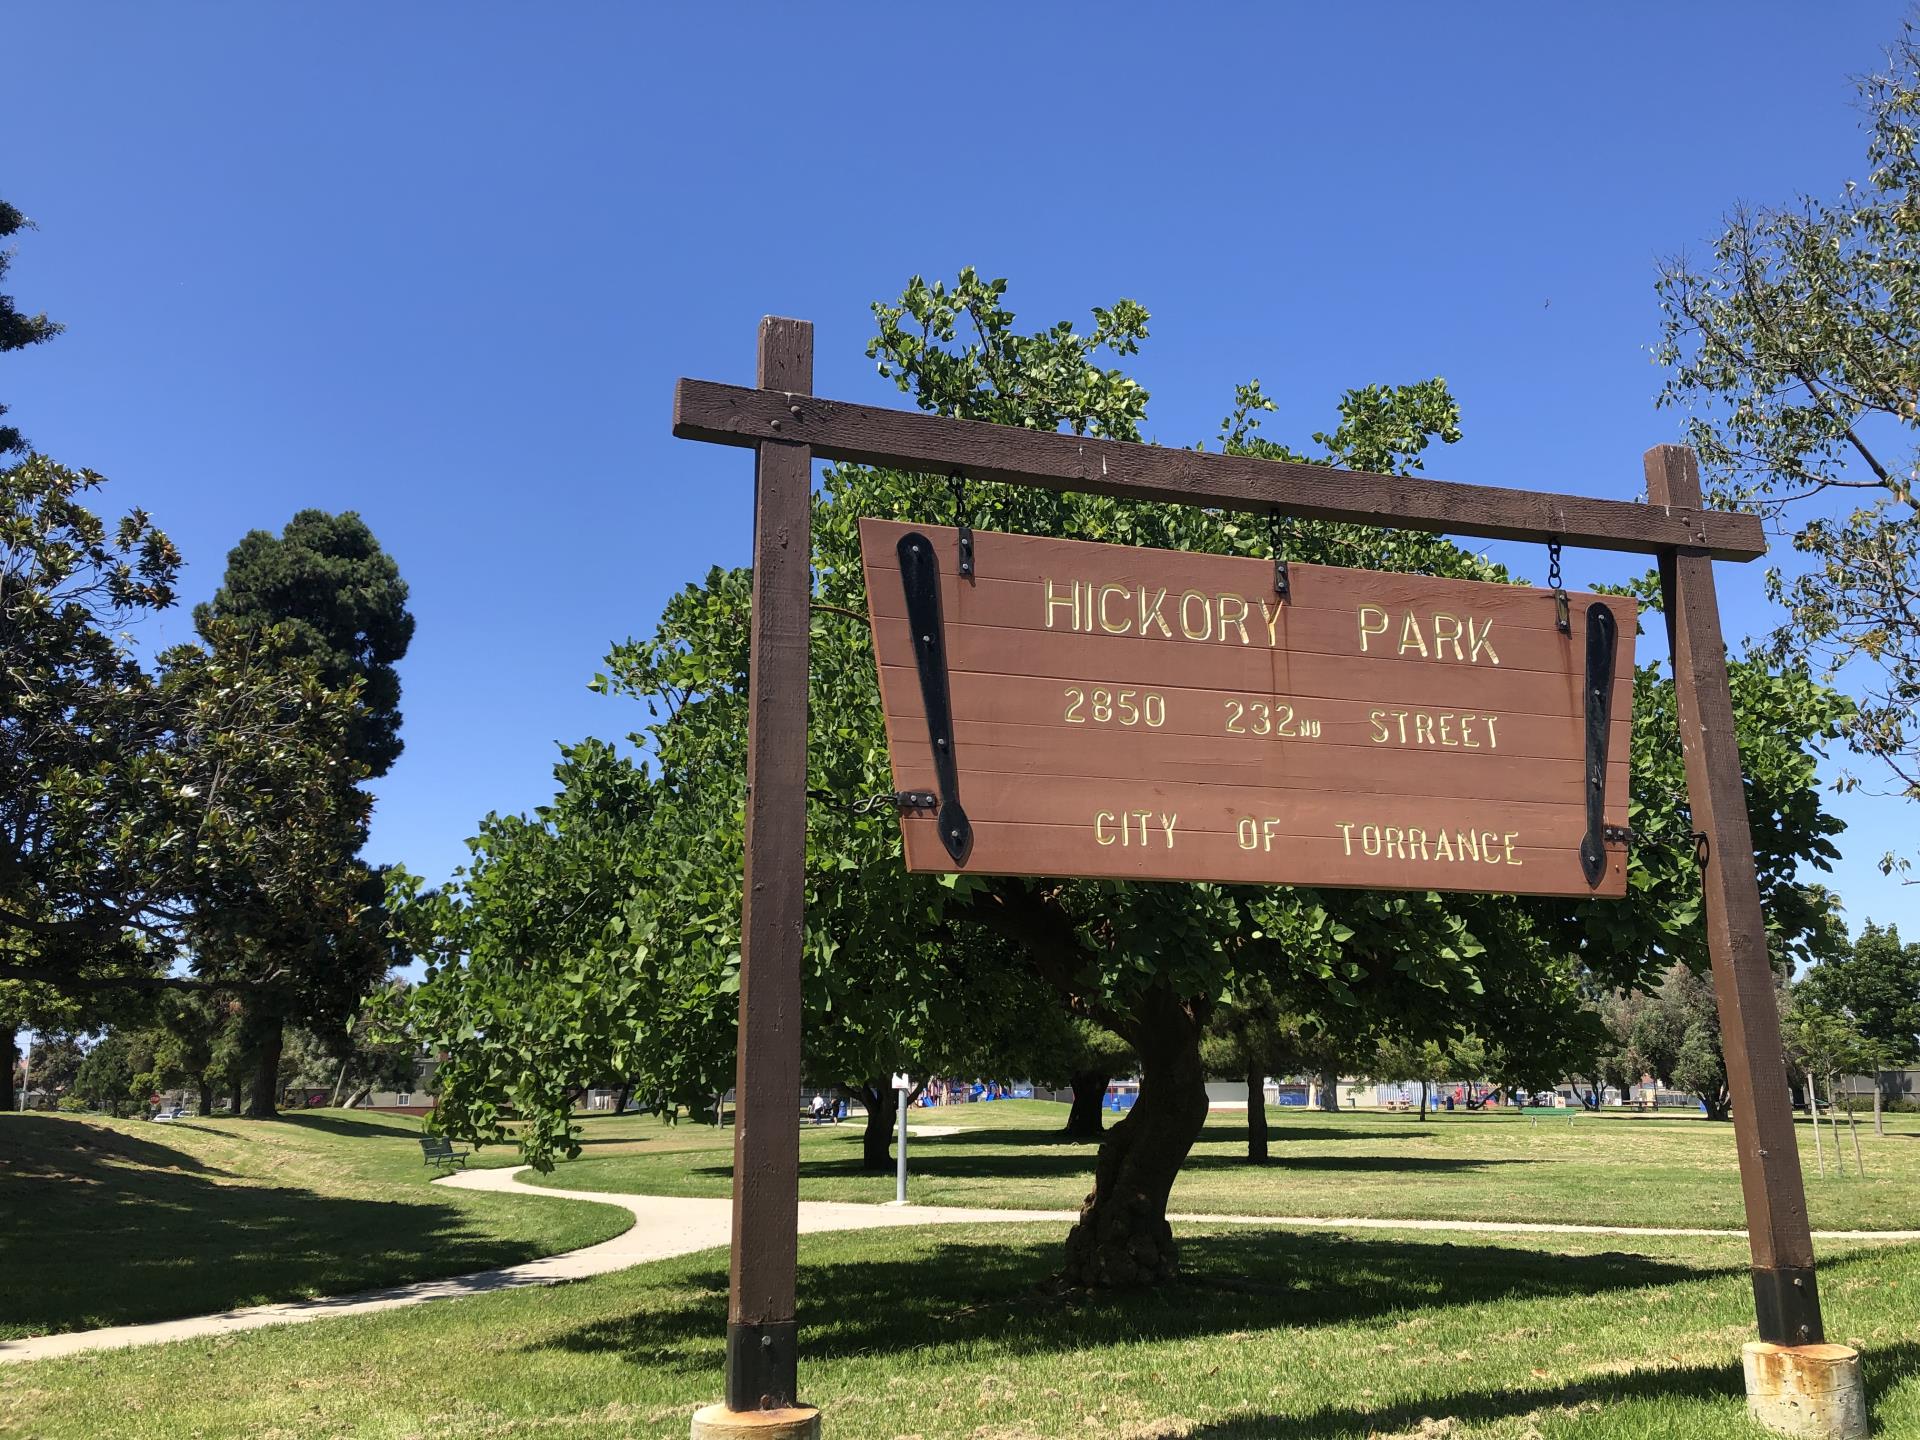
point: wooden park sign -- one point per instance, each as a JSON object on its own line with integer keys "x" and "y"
{"x": 1094, "y": 732}
{"x": 1064, "y": 708}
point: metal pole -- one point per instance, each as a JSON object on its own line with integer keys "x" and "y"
{"x": 900, "y": 1169}
{"x": 762, "y": 1338}
{"x": 1786, "y": 1301}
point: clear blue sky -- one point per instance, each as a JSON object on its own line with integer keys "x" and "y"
{"x": 441, "y": 263}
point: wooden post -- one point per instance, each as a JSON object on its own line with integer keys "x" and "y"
{"x": 761, "y": 1335}
{"x": 1785, "y": 1298}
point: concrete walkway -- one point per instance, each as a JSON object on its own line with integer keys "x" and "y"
{"x": 666, "y": 1226}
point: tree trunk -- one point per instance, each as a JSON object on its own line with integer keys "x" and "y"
{"x": 1256, "y": 1116}
{"x": 1122, "y": 1238}
{"x": 263, "y": 1103}
{"x": 875, "y": 1154}
{"x": 9, "y": 1056}
{"x": 1813, "y": 1109}
{"x": 1329, "y": 1090}
{"x": 620, "y": 1098}
{"x": 1089, "y": 1094}
{"x": 1423, "y": 1102}
{"x": 239, "y": 1103}
{"x": 204, "y": 1089}
{"x": 1879, "y": 1108}
{"x": 1718, "y": 1107}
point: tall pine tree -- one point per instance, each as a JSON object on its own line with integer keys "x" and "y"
{"x": 334, "y": 598}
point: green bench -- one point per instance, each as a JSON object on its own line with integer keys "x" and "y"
{"x": 438, "y": 1150}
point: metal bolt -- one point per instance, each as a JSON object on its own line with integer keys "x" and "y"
{"x": 776, "y": 424}
{"x": 941, "y": 743}
{"x": 794, "y": 410}
{"x": 954, "y": 834}
{"x": 926, "y": 639}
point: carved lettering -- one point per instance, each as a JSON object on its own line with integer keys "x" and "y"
{"x": 1205, "y": 632}
{"x": 1477, "y": 641}
{"x": 1071, "y": 600}
{"x": 1368, "y": 612}
{"x": 1238, "y": 619}
{"x": 1150, "y": 613}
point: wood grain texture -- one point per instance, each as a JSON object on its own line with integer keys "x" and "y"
{"x": 1344, "y": 738}
{"x": 904, "y": 440}
{"x": 1743, "y": 977}
{"x": 766, "y": 1150}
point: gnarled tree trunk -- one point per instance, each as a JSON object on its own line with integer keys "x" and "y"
{"x": 1089, "y": 1094}
{"x": 1122, "y": 1238}
{"x": 1256, "y": 1116}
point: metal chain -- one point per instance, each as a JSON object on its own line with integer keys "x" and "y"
{"x": 1553, "y": 564}
{"x": 1282, "y": 582}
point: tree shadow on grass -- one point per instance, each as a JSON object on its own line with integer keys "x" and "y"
{"x": 1885, "y": 1366}
{"x": 101, "y": 1228}
{"x": 37, "y": 1147}
{"x": 346, "y": 1125}
{"x": 988, "y": 1296}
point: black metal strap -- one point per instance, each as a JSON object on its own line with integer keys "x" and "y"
{"x": 1602, "y": 637}
{"x": 1282, "y": 581}
{"x": 963, "y": 525}
{"x": 920, "y": 578}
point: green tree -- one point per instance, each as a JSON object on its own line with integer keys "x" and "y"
{"x": 1875, "y": 983}
{"x": 109, "y": 1078}
{"x": 335, "y": 604}
{"x": 17, "y": 329}
{"x": 54, "y": 1062}
{"x": 132, "y": 801}
{"x": 1793, "y": 352}
{"x": 1085, "y": 1062}
{"x": 1147, "y": 963}
{"x": 335, "y": 597}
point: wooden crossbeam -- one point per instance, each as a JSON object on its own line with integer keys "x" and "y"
{"x": 906, "y": 440}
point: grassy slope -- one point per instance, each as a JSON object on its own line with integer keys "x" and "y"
{"x": 108, "y": 1222}
{"x": 954, "y": 1333}
{"x": 1620, "y": 1170}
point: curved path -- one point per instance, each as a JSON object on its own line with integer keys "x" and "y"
{"x": 666, "y": 1226}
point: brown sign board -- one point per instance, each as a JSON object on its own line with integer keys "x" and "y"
{"x": 1126, "y": 713}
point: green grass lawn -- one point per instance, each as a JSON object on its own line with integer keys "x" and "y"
{"x": 1604, "y": 1170}
{"x": 108, "y": 1222}
{"x": 949, "y": 1333}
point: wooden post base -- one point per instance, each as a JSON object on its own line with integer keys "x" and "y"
{"x": 1806, "y": 1390}
{"x": 717, "y": 1422}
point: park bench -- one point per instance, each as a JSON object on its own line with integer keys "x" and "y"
{"x": 438, "y": 1150}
